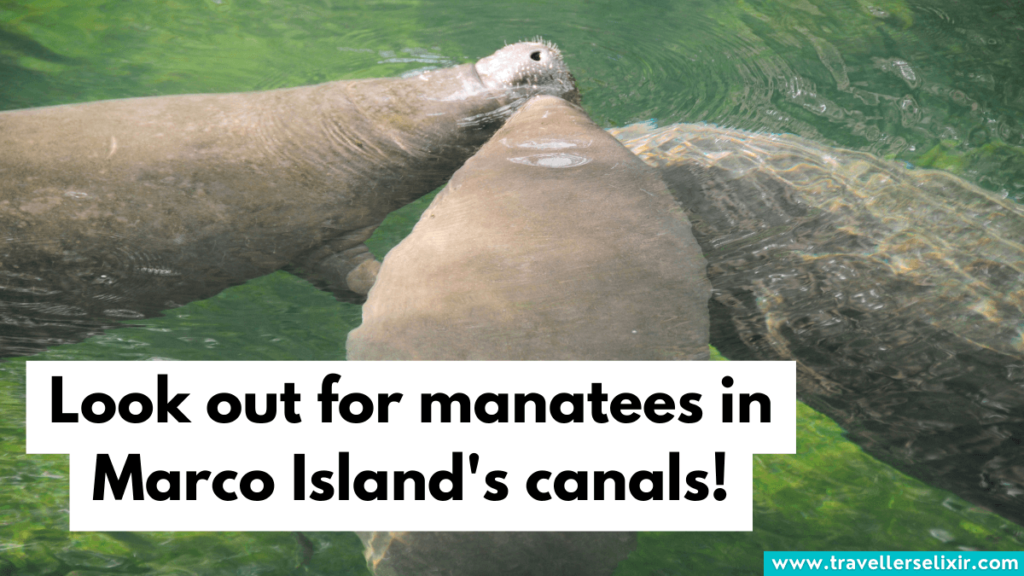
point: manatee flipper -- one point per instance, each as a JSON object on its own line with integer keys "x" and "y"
{"x": 347, "y": 272}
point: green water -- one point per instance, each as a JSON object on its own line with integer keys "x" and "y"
{"x": 934, "y": 84}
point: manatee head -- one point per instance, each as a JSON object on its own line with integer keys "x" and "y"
{"x": 526, "y": 69}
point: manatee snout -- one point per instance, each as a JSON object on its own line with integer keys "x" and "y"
{"x": 528, "y": 69}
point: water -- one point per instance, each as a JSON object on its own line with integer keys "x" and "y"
{"x": 934, "y": 84}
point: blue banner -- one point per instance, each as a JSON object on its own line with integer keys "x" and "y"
{"x": 859, "y": 563}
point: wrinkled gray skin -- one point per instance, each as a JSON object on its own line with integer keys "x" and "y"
{"x": 123, "y": 208}
{"x": 552, "y": 243}
{"x": 900, "y": 294}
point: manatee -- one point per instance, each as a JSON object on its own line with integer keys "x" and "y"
{"x": 553, "y": 242}
{"x": 899, "y": 292}
{"x": 123, "y": 208}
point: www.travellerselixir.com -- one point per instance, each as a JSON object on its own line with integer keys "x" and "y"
{"x": 857, "y": 562}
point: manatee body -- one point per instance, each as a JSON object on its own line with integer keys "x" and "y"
{"x": 123, "y": 208}
{"x": 899, "y": 292}
{"x": 553, "y": 242}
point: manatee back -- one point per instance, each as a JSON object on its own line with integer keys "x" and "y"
{"x": 957, "y": 250}
{"x": 553, "y": 242}
{"x": 899, "y": 292}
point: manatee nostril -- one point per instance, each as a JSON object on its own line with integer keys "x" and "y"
{"x": 535, "y": 55}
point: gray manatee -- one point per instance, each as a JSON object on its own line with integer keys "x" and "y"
{"x": 899, "y": 293}
{"x": 123, "y": 208}
{"x": 552, "y": 242}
